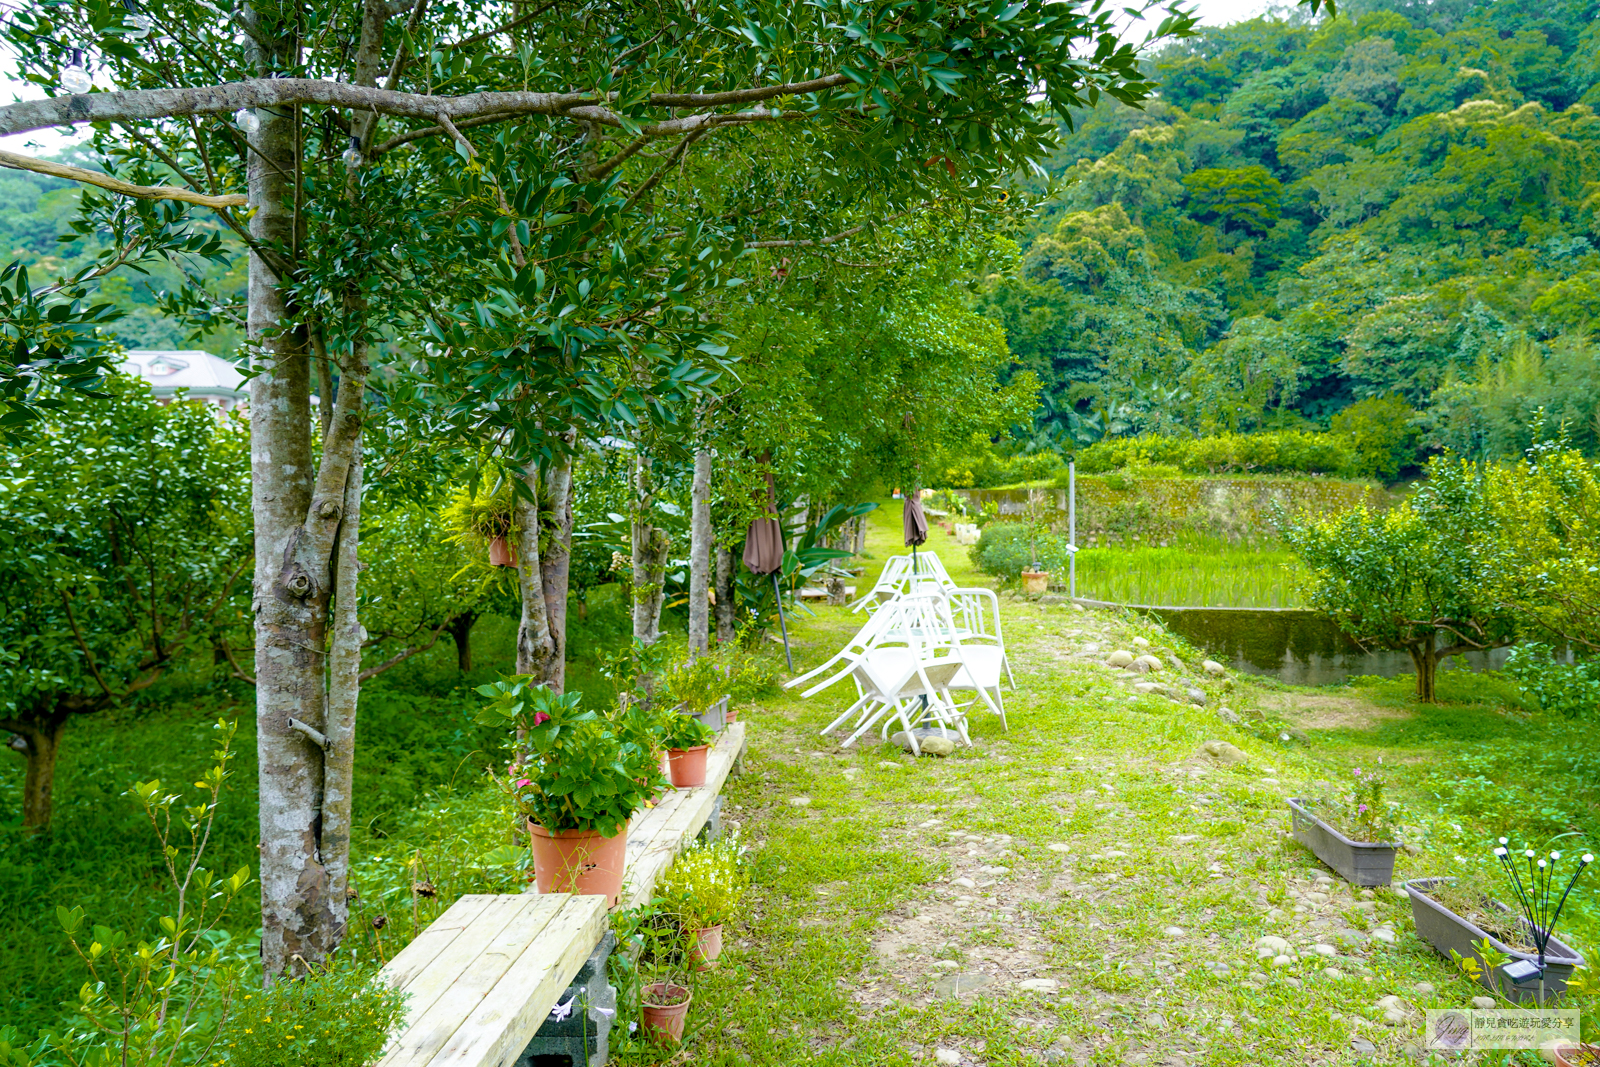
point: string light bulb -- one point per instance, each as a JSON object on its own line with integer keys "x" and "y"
{"x": 247, "y": 120}
{"x": 138, "y": 26}
{"x": 75, "y": 79}
{"x": 352, "y": 155}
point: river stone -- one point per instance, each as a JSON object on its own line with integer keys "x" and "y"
{"x": 1175, "y": 663}
{"x": 1229, "y": 716}
{"x": 946, "y": 965}
{"x": 1361, "y": 1046}
{"x": 948, "y": 1057}
{"x": 1213, "y": 668}
{"x": 964, "y": 883}
{"x": 1039, "y": 985}
{"x": 1150, "y": 663}
{"x": 1224, "y": 752}
{"x": 1142, "y": 642}
{"x": 1120, "y": 658}
{"x": 1271, "y": 946}
{"x": 1196, "y": 697}
{"x": 1484, "y": 1003}
{"x": 930, "y": 739}
{"x": 800, "y": 802}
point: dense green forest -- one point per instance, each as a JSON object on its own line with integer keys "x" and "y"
{"x": 1397, "y": 202}
{"x": 36, "y": 215}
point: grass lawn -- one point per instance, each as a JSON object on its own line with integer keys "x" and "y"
{"x": 909, "y": 911}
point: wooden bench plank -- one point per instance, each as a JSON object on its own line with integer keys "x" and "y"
{"x": 505, "y": 1020}
{"x": 426, "y": 946}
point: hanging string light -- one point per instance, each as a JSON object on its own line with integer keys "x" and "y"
{"x": 75, "y": 78}
{"x": 247, "y": 120}
{"x": 137, "y": 25}
{"x": 352, "y": 155}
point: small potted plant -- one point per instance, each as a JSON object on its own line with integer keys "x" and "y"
{"x": 688, "y": 741}
{"x": 700, "y": 688}
{"x": 577, "y": 779}
{"x": 1353, "y": 832}
{"x": 1510, "y": 951}
{"x": 702, "y": 890}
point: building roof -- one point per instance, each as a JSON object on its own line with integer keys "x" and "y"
{"x": 168, "y": 370}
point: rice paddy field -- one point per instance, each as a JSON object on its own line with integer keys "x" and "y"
{"x": 1202, "y": 572}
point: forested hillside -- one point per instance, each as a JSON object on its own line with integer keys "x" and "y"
{"x": 1400, "y": 201}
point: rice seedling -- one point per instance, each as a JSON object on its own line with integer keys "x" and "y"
{"x": 1201, "y": 573}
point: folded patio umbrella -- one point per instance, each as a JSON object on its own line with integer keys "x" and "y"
{"x": 914, "y": 523}
{"x": 763, "y": 554}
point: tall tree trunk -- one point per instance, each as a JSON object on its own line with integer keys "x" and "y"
{"x": 699, "y": 553}
{"x": 307, "y": 517}
{"x": 1426, "y": 662}
{"x": 38, "y": 738}
{"x": 536, "y": 652}
{"x": 650, "y": 546}
{"x": 460, "y": 628}
{"x": 727, "y": 620}
{"x": 556, "y": 571}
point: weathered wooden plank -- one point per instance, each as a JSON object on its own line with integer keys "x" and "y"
{"x": 665, "y": 831}
{"x": 415, "y": 957}
{"x": 430, "y": 1016}
{"x": 502, "y": 1023}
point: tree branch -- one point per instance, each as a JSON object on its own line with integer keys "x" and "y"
{"x": 17, "y": 161}
{"x": 142, "y": 104}
{"x": 88, "y": 657}
{"x": 238, "y": 672}
{"x": 400, "y": 657}
{"x": 507, "y": 28}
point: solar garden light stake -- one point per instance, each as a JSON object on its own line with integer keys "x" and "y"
{"x": 1535, "y": 897}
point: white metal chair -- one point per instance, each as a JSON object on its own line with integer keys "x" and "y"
{"x": 914, "y": 572}
{"x": 975, "y": 613}
{"x": 903, "y": 664}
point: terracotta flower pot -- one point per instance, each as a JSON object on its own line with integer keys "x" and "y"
{"x": 687, "y": 766}
{"x": 1035, "y": 581}
{"x": 664, "y": 1022}
{"x": 502, "y": 553}
{"x": 705, "y": 946}
{"x": 1570, "y": 1055}
{"x": 731, "y": 715}
{"x": 578, "y": 861}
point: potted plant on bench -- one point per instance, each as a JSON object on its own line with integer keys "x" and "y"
{"x": 578, "y": 778}
{"x": 1510, "y": 951}
{"x": 688, "y": 743}
{"x": 1353, "y": 832}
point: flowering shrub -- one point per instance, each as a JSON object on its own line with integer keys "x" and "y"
{"x": 1573, "y": 689}
{"x": 338, "y": 1017}
{"x": 704, "y": 885}
{"x": 1361, "y": 813}
{"x": 577, "y": 770}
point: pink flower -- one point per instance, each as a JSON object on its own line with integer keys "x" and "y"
{"x": 1358, "y": 772}
{"x": 540, "y": 717}
{"x": 1362, "y": 809}
{"x": 524, "y": 782}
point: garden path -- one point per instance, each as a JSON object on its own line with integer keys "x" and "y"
{"x": 1087, "y": 888}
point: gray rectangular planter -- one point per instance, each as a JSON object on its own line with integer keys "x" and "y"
{"x": 1358, "y": 862}
{"x": 716, "y": 716}
{"x": 1446, "y": 931}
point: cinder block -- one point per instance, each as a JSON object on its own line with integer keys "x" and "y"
{"x": 582, "y": 1037}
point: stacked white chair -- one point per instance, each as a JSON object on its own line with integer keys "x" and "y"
{"x": 914, "y": 572}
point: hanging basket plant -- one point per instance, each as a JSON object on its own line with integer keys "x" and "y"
{"x": 483, "y": 518}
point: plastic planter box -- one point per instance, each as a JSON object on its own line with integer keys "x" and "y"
{"x": 1358, "y": 862}
{"x": 1446, "y": 931}
{"x": 716, "y": 716}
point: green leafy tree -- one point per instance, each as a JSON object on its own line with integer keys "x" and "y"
{"x": 1382, "y": 435}
{"x": 1244, "y": 197}
{"x": 1415, "y": 578}
{"x": 124, "y": 539}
